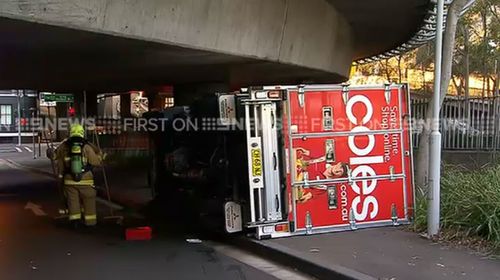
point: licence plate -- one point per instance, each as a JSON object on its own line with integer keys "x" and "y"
{"x": 256, "y": 163}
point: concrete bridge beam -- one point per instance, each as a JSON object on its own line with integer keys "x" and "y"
{"x": 231, "y": 41}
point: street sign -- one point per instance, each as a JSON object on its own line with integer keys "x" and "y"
{"x": 47, "y": 104}
{"x": 60, "y": 98}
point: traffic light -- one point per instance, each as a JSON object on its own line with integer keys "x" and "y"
{"x": 71, "y": 111}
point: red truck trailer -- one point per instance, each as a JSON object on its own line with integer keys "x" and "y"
{"x": 313, "y": 158}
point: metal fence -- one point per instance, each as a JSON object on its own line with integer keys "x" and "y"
{"x": 471, "y": 124}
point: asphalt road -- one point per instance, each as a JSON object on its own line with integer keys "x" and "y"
{"x": 33, "y": 245}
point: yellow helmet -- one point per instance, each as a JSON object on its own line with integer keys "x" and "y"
{"x": 76, "y": 130}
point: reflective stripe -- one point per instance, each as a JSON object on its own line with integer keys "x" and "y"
{"x": 75, "y": 217}
{"x": 90, "y": 217}
{"x": 86, "y": 182}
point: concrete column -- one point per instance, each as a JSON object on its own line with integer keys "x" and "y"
{"x": 156, "y": 102}
{"x": 78, "y": 104}
{"x": 125, "y": 105}
{"x": 91, "y": 104}
{"x": 61, "y": 112}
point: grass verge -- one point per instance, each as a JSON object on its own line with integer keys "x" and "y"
{"x": 470, "y": 206}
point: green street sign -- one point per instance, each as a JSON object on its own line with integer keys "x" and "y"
{"x": 61, "y": 98}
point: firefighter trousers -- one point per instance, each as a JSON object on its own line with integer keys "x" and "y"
{"x": 87, "y": 195}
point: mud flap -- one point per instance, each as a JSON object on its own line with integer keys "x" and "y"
{"x": 232, "y": 212}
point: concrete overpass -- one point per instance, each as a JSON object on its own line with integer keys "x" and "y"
{"x": 112, "y": 45}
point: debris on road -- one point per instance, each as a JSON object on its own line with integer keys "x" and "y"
{"x": 193, "y": 240}
{"x": 33, "y": 266}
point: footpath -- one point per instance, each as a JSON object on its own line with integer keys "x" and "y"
{"x": 379, "y": 253}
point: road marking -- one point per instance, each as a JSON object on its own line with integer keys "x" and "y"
{"x": 37, "y": 209}
{"x": 4, "y": 164}
{"x": 28, "y": 149}
{"x": 18, "y": 149}
{"x": 269, "y": 267}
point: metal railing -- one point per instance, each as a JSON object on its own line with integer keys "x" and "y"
{"x": 471, "y": 124}
{"x": 424, "y": 35}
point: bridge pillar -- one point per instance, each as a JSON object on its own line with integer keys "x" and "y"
{"x": 85, "y": 104}
{"x": 156, "y": 102}
{"x": 125, "y": 105}
{"x": 91, "y": 103}
{"x": 61, "y": 113}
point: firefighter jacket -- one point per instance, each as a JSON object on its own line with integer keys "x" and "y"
{"x": 92, "y": 157}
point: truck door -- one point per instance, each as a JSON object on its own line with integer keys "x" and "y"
{"x": 348, "y": 157}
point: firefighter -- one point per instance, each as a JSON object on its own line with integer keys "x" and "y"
{"x": 75, "y": 159}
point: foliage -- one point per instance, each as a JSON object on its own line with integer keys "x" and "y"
{"x": 470, "y": 203}
{"x": 477, "y": 51}
{"x": 478, "y": 45}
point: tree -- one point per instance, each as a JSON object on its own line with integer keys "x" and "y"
{"x": 390, "y": 70}
{"x": 424, "y": 58}
{"x": 454, "y": 12}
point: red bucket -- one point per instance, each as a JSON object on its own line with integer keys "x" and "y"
{"x": 138, "y": 233}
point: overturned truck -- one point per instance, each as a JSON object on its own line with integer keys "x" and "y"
{"x": 284, "y": 161}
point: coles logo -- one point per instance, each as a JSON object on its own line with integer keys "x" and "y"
{"x": 364, "y": 204}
